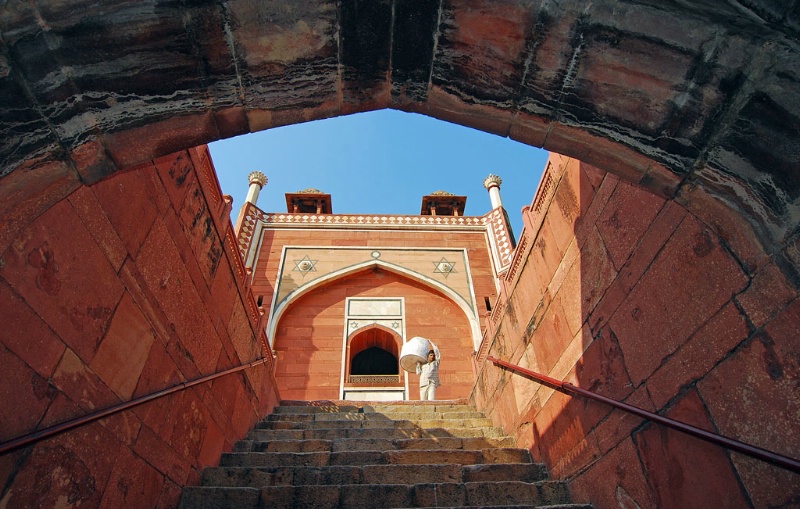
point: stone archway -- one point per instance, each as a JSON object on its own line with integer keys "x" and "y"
{"x": 707, "y": 115}
{"x": 365, "y": 341}
{"x": 372, "y": 363}
{"x": 708, "y": 109}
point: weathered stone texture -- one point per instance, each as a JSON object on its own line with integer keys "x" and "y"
{"x": 767, "y": 371}
{"x": 65, "y": 277}
{"x": 667, "y": 325}
{"x": 664, "y": 315}
{"x": 106, "y": 298}
{"x": 616, "y": 481}
{"x": 716, "y": 98}
{"x": 684, "y": 471}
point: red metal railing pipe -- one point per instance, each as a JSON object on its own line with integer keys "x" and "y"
{"x": 729, "y": 443}
{"x": 37, "y": 436}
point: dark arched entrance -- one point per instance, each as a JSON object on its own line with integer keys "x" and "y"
{"x": 372, "y": 364}
{"x": 374, "y": 361}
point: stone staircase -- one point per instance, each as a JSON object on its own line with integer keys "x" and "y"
{"x": 324, "y": 454}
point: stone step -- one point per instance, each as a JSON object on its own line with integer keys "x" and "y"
{"x": 379, "y": 423}
{"x": 257, "y": 477}
{"x": 375, "y": 416}
{"x": 377, "y": 457}
{"x": 354, "y": 496}
{"x": 372, "y": 444}
{"x": 333, "y": 408}
{"x": 333, "y": 434}
{"x": 557, "y": 506}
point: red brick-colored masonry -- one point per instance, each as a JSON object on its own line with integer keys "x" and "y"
{"x": 124, "y": 288}
{"x": 674, "y": 310}
{"x": 309, "y": 340}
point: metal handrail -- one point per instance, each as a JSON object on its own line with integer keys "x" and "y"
{"x": 728, "y": 443}
{"x": 40, "y": 435}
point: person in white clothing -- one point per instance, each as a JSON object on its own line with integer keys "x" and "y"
{"x": 429, "y": 375}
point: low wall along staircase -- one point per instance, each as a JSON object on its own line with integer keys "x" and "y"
{"x": 324, "y": 454}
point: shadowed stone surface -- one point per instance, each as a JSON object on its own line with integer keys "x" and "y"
{"x": 370, "y": 472}
{"x": 714, "y": 102}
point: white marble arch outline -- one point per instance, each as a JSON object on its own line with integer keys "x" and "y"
{"x": 298, "y": 292}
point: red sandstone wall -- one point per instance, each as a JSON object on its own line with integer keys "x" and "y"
{"x": 122, "y": 289}
{"x": 672, "y": 310}
{"x": 308, "y": 342}
{"x": 474, "y": 242}
{"x": 307, "y": 369}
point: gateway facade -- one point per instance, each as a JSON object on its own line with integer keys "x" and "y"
{"x": 345, "y": 292}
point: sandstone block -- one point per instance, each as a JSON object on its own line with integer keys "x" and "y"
{"x": 26, "y": 335}
{"x": 125, "y": 348}
{"x": 133, "y": 483}
{"x": 24, "y": 391}
{"x": 127, "y": 201}
{"x": 701, "y": 473}
{"x": 664, "y": 314}
{"x": 91, "y": 212}
{"x": 196, "y": 497}
{"x": 616, "y": 478}
{"x": 61, "y": 273}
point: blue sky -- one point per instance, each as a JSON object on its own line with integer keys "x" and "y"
{"x": 380, "y": 162}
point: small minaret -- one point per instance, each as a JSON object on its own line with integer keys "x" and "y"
{"x": 257, "y": 181}
{"x": 492, "y": 183}
{"x": 502, "y": 238}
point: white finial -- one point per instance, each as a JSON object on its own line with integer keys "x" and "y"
{"x": 257, "y": 181}
{"x": 492, "y": 183}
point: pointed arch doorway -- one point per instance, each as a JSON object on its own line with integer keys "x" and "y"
{"x": 371, "y": 357}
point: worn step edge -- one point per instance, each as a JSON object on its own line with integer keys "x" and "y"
{"x": 525, "y": 506}
{"x": 256, "y": 477}
{"x": 377, "y": 457}
{"x": 477, "y": 494}
{"x": 335, "y": 433}
{"x": 418, "y": 495}
{"x": 327, "y": 406}
{"x": 289, "y": 410}
{"x": 405, "y": 423}
{"x": 382, "y": 443}
{"x": 373, "y": 416}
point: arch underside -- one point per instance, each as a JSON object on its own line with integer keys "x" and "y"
{"x": 711, "y": 108}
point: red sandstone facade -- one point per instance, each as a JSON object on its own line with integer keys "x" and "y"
{"x": 328, "y": 279}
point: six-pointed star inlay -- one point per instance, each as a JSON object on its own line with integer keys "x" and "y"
{"x": 444, "y": 267}
{"x": 305, "y": 265}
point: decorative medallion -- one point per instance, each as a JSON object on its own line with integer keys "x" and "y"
{"x": 444, "y": 267}
{"x": 376, "y": 254}
{"x": 305, "y": 265}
